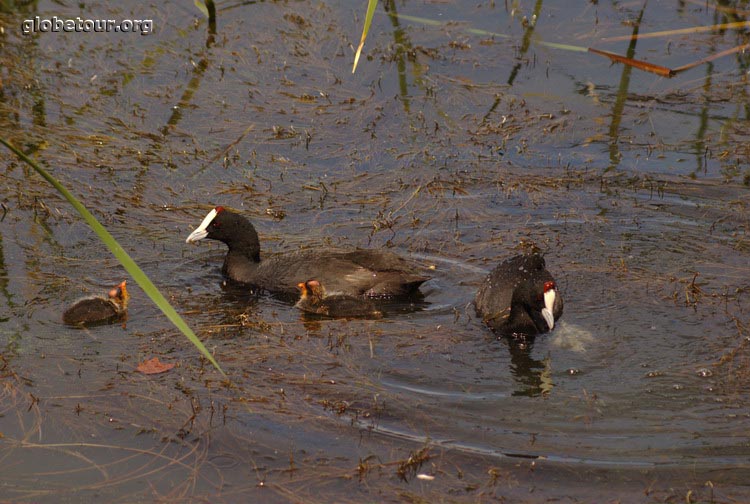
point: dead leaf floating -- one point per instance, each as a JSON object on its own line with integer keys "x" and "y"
{"x": 154, "y": 366}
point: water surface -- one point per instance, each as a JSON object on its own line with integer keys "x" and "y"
{"x": 453, "y": 146}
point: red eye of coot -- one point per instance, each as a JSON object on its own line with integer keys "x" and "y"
{"x": 549, "y": 286}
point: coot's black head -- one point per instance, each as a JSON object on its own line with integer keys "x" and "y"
{"x": 233, "y": 229}
{"x": 539, "y": 302}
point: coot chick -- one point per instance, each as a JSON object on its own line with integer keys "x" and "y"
{"x": 315, "y": 299}
{"x": 519, "y": 297}
{"x": 357, "y": 272}
{"x": 98, "y": 309}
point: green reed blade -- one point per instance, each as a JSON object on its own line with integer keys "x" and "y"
{"x": 130, "y": 266}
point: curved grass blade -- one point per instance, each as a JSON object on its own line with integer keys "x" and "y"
{"x": 371, "y": 4}
{"x": 682, "y": 31}
{"x": 486, "y": 33}
{"x": 130, "y": 266}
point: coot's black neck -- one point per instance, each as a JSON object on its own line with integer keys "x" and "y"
{"x": 244, "y": 244}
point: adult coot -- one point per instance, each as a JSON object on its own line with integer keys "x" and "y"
{"x": 315, "y": 299}
{"x": 99, "y": 309}
{"x": 357, "y": 272}
{"x": 519, "y": 297}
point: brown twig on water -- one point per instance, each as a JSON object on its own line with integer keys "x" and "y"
{"x": 662, "y": 70}
{"x": 639, "y": 64}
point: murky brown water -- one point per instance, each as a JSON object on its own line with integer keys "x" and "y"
{"x": 450, "y": 145}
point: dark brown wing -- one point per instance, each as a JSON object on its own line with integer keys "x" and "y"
{"x": 357, "y": 272}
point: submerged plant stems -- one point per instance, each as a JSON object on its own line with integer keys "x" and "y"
{"x": 639, "y": 64}
{"x": 130, "y": 266}
{"x": 487, "y": 33}
{"x": 681, "y": 31}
